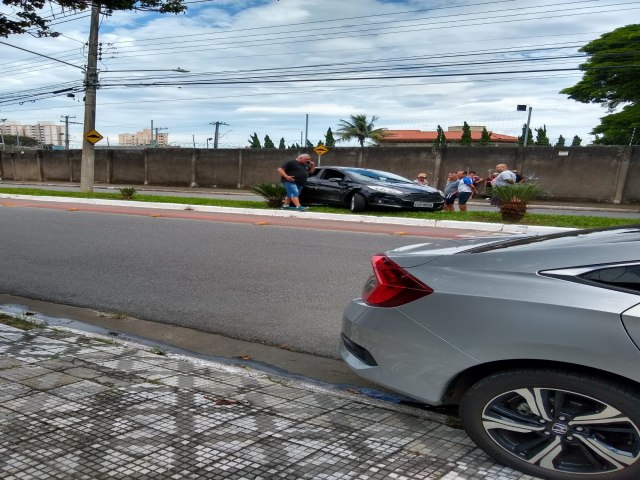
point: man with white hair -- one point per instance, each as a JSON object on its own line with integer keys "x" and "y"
{"x": 505, "y": 177}
{"x": 294, "y": 174}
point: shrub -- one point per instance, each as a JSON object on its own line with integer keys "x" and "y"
{"x": 273, "y": 193}
{"x": 127, "y": 193}
{"x": 514, "y": 199}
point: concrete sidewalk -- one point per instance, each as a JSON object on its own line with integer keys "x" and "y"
{"x": 85, "y": 407}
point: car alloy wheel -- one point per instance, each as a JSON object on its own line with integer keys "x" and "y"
{"x": 358, "y": 203}
{"x": 556, "y": 425}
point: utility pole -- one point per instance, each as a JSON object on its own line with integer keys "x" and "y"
{"x": 306, "y": 131}
{"x": 159, "y": 128}
{"x": 66, "y": 130}
{"x": 216, "y": 132}
{"x": 2, "y": 120}
{"x": 87, "y": 176}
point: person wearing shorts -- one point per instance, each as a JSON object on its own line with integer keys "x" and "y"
{"x": 294, "y": 174}
{"x": 465, "y": 189}
{"x": 450, "y": 191}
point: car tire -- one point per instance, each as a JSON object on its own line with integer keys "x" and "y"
{"x": 556, "y": 425}
{"x": 357, "y": 203}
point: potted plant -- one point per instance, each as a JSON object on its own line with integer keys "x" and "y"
{"x": 273, "y": 193}
{"x": 514, "y": 199}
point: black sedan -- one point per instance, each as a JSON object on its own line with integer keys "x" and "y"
{"x": 361, "y": 188}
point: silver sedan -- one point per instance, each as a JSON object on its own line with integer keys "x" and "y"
{"x": 535, "y": 339}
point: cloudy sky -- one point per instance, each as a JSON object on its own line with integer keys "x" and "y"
{"x": 263, "y": 65}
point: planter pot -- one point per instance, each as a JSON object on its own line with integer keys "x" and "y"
{"x": 513, "y": 212}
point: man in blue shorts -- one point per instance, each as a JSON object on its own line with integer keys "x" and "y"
{"x": 294, "y": 174}
{"x": 465, "y": 189}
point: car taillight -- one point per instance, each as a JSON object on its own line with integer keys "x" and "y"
{"x": 391, "y": 286}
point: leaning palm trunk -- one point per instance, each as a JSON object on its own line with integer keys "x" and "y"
{"x": 514, "y": 199}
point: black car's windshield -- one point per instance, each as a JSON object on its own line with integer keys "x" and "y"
{"x": 367, "y": 176}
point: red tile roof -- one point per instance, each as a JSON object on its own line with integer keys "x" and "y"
{"x": 418, "y": 136}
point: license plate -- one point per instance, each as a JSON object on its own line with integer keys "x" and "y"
{"x": 423, "y": 204}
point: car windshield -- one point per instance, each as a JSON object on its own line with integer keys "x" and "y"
{"x": 367, "y": 176}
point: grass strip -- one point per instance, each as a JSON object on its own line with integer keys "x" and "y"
{"x": 536, "y": 219}
{"x": 16, "y": 322}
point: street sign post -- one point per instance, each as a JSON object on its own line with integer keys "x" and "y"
{"x": 93, "y": 137}
{"x": 320, "y": 150}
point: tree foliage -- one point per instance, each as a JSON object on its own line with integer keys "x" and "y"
{"x": 622, "y": 128}
{"x": 610, "y": 79}
{"x": 329, "y": 141}
{"x": 485, "y": 137}
{"x": 22, "y": 140}
{"x": 254, "y": 141}
{"x": 465, "y": 139}
{"x": 28, "y": 16}
{"x": 360, "y": 128}
{"x": 268, "y": 143}
{"x": 441, "y": 138}
{"x": 282, "y": 145}
{"x": 561, "y": 141}
{"x": 529, "y": 137}
{"x": 576, "y": 142}
{"x": 541, "y": 136}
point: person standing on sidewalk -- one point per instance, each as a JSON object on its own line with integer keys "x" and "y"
{"x": 294, "y": 174}
{"x": 465, "y": 189}
{"x": 505, "y": 177}
{"x": 421, "y": 180}
{"x": 450, "y": 192}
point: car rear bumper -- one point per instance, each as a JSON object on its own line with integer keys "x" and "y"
{"x": 386, "y": 347}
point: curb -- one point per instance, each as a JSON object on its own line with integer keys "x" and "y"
{"x": 453, "y": 224}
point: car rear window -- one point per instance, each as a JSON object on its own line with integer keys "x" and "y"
{"x": 622, "y": 276}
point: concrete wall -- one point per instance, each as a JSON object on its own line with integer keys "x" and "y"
{"x": 601, "y": 174}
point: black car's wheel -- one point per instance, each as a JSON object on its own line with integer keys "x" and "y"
{"x": 357, "y": 203}
{"x": 558, "y": 426}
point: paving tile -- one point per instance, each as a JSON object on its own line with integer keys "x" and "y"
{"x": 97, "y": 411}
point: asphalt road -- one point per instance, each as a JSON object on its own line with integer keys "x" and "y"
{"x": 280, "y": 285}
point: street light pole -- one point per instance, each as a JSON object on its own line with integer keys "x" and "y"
{"x": 522, "y": 108}
{"x": 87, "y": 176}
{"x": 208, "y": 142}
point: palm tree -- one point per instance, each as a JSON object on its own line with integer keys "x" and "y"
{"x": 361, "y": 128}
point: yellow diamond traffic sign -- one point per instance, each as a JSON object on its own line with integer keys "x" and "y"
{"x": 321, "y": 150}
{"x": 93, "y": 136}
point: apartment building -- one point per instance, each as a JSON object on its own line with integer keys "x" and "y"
{"x": 143, "y": 137}
{"x": 46, "y": 133}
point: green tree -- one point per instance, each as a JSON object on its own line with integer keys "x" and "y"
{"x": 309, "y": 144}
{"x": 282, "y": 145}
{"x": 485, "y": 137}
{"x": 441, "y": 138}
{"x": 329, "y": 141}
{"x": 254, "y": 141}
{"x": 618, "y": 128}
{"x": 541, "y": 136}
{"x": 529, "y": 138}
{"x": 23, "y": 141}
{"x": 34, "y": 14}
{"x": 268, "y": 143}
{"x": 576, "y": 142}
{"x": 610, "y": 79}
{"x": 360, "y": 128}
{"x": 465, "y": 139}
{"x": 561, "y": 141}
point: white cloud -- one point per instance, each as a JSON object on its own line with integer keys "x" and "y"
{"x": 231, "y": 40}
